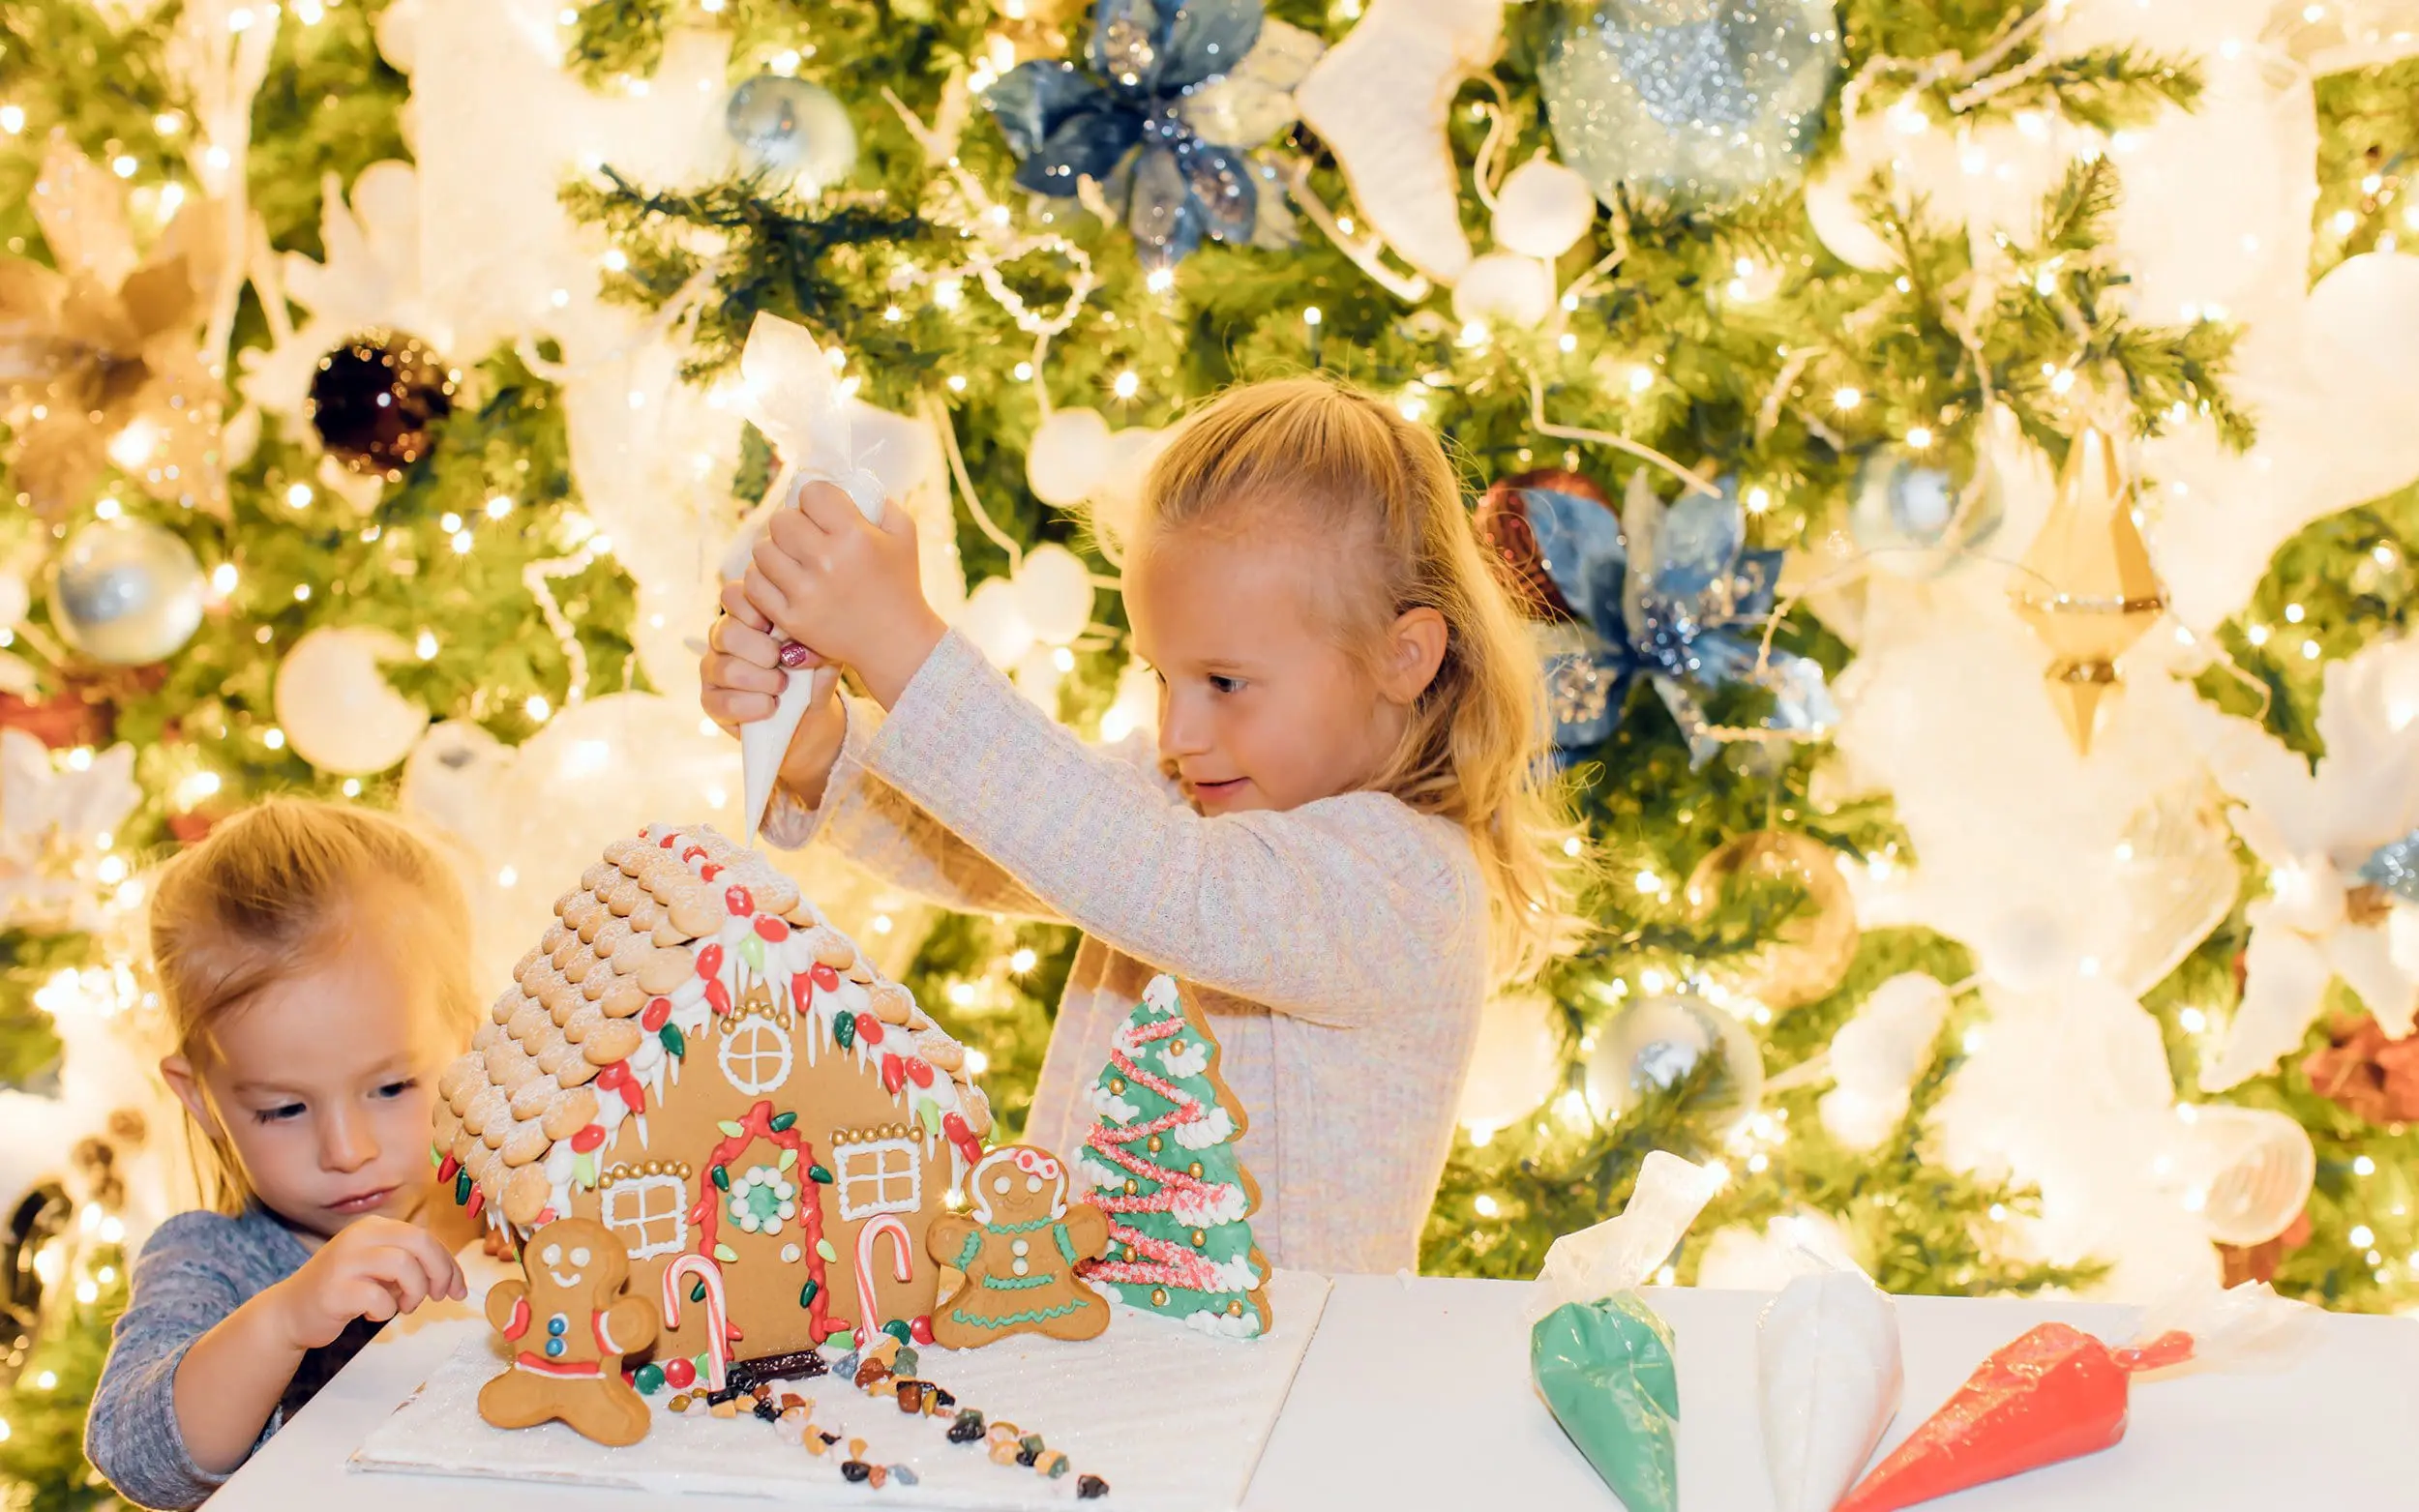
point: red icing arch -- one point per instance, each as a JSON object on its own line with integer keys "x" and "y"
{"x": 705, "y": 1214}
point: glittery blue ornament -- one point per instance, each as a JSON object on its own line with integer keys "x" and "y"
{"x": 2394, "y": 867}
{"x": 1147, "y": 58}
{"x": 789, "y": 129}
{"x": 1917, "y": 516}
{"x": 1700, "y": 104}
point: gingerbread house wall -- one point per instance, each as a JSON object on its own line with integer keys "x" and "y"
{"x": 835, "y": 1098}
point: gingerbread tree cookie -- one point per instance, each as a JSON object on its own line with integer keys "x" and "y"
{"x": 1161, "y": 1163}
{"x": 1019, "y": 1250}
{"x": 569, "y": 1326}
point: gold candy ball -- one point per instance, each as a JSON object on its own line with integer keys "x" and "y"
{"x": 1200, "y": 1239}
{"x": 1154, "y": 1145}
{"x": 1158, "y": 1296}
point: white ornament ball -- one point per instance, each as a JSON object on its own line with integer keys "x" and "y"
{"x": 2247, "y": 1171}
{"x": 450, "y": 779}
{"x": 1070, "y": 456}
{"x": 1839, "y": 225}
{"x": 128, "y": 592}
{"x": 1515, "y": 1064}
{"x": 996, "y": 623}
{"x": 1543, "y": 209}
{"x": 2363, "y": 323}
{"x": 1655, "y": 1044}
{"x": 1053, "y": 592}
{"x": 1504, "y": 287}
{"x": 338, "y": 710}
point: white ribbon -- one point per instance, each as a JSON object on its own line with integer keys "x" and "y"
{"x": 791, "y": 395}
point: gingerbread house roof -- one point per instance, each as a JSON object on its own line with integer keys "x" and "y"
{"x": 673, "y": 926}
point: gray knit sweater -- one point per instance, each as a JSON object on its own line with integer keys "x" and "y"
{"x": 195, "y": 1270}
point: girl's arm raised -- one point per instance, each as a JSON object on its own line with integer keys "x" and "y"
{"x": 1327, "y": 912}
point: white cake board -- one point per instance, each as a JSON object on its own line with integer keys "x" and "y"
{"x": 1173, "y": 1419}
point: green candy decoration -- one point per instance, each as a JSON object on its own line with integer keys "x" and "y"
{"x": 648, "y": 1378}
{"x": 782, "y": 1122}
{"x": 843, "y": 1029}
{"x": 461, "y": 1188}
{"x": 1601, "y": 1357}
{"x": 722, "y": 1177}
{"x": 1605, "y": 1369}
{"x": 806, "y": 1293}
{"x": 898, "y": 1329}
{"x": 818, "y": 1173}
{"x": 675, "y": 1041}
{"x": 696, "y": 1292}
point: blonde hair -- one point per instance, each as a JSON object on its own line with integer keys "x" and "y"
{"x": 274, "y": 889}
{"x": 1475, "y": 748}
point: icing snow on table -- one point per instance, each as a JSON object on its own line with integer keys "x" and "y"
{"x": 1173, "y": 1419}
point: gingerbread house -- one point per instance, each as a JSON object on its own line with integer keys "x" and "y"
{"x": 695, "y": 1058}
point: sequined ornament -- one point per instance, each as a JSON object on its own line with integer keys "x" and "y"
{"x": 1918, "y": 514}
{"x": 1701, "y": 104}
{"x": 375, "y": 398}
{"x": 127, "y": 592}
{"x": 1162, "y": 118}
{"x": 2087, "y": 587}
{"x": 1655, "y": 1044}
{"x": 1669, "y": 594}
{"x": 788, "y": 128}
{"x": 1805, "y": 953}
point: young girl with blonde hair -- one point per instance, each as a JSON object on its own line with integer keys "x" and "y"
{"x": 1345, "y": 839}
{"x": 314, "y": 962}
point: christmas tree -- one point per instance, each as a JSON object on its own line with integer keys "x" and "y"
{"x": 1162, "y": 1164}
{"x": 1838, "y": 281}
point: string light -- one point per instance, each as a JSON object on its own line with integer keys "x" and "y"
{"x": 426, "y": 645}
{"x": 1846, "y": 398}
{"x": 1127, "y": 384}
{"x": 1648, "y": 882}
{"x": 1311, "y": 316}
{"x": 11, "y": 119}
{"x": 498, "y": 507}
{"x": 352, "y": 787}
{"x": 2363, "y": 1166}
{"x": 537, "y": 708}
{"x": 1919, "y": 437}
{"x": 274, "y": 739}
{"x": 1023, "y": 961}
{"x": 1486, "y": 1205}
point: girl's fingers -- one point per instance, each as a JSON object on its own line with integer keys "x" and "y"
{"x": 733, "y": 709}
{"x": 364, "y": 1297}
{"x": 766, "y": 593}
{"x": 743, "y": 675}
{"x": 745, "y": 642}
{"x": 437, "y": 1264}
{"x": 826, "y": 506}
{"x": 737, "y": 605}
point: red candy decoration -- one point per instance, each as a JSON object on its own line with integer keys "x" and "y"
{"x": 478, "y": 1199}
{"x": 770, "y": 928}
{"x": 918, "y": 1072}
{"x": 588, "y": 1139}
{"x": 669, "y": 840}
{"x": 719, "y": 997}
{"x": 738, "y": 902}
{"x": 445, "y": 1170}
{"x": 801, "y": 991}
{"x": 693, "y": 852}
{"x": 825, "y": 977}
{"x": 708, "y": 872}
{"x": 920, "y": 1329}
{"x": 546, "y": 1215}
{"x": 679, "y": 1374}
{"x": 869, "y": 1030}
{"x": 709, "y": 961}
{"x": 612, "y": 1075}
{"x": 954, "y": 1126}
{"x": 893, "y": 1074}
{"x": 658, "y": 1012}
{"x": 2052, "y": 1394}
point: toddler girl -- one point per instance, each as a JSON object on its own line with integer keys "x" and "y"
{"x": 313, "y": 962}
{"x": 1343, "y": 842}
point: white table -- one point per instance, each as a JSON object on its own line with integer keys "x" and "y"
{"x": 1416, "y": 1394}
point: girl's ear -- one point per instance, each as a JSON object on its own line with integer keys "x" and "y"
{"x": 1415, "y": 648}
{"x": 181, "y": 1080}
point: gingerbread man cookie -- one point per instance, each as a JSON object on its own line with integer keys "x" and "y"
{"x": 569, "y": 1326}
{"x": 1018, "y": 1249}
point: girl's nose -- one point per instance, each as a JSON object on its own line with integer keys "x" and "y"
{"x": 346, "y": 1142}
{"x": 1183, "y": 727}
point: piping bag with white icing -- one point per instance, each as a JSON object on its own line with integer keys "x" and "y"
{"x": 1829, "y": 1374}
{"x": 791, "y": 396}
{"x": 1601, "y": 1357}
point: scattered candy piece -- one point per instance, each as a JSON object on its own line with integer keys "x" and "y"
{"x": 681, "y": 1403}
{"x": 856, "y": 1471}
{"x": 877, "y": 1475}
{"x": 1003, "y": 1432}
{"x": 903, "y": 1475}
{"x": 765, "y": 1409}
{"x": 1004, "y": 1452}
{"x": 967, "y": 1429}
{"x": 942, "y": 1401}
{"x": 1051, "y": 1463}
{"x": 912, "y": 1396}
{"x": 648, "y": 1378}
{"x": 1027, "y": 1457}
{"x": 681, "y": 1373}
{"x": 905, "y": 1361}
{"x": 885, "y": 1347}
{"x": 790, "y": 1398}
{"x": 873, "y": 1373}
{"x": 1031, "y": 1441}
{"x": 857, "y": 1448}
{"x": 728, "y": 1406}
{"x": 1089, "y": 1487}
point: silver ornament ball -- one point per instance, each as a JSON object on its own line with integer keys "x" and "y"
{"x": 1655, "y": 1043}
{"x": 1917, "y": 516}
{"x": 127, "y": 592}
{"x": 1700, "y": 104}
{"x": 786, "y": 128}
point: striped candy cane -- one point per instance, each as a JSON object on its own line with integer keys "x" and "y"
{"x": 717, "y": 1311}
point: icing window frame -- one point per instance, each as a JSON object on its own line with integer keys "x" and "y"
{"x": 756, "y": 1027}
{"x": 849, "y": 1175}
{"x": 637, "y": 1227}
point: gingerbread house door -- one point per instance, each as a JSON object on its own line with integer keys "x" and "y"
{"x": 880, "y": 1186}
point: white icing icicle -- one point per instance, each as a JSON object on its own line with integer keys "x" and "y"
{"x": 1827, "y": 1355}
{"x": 791, "y": 397}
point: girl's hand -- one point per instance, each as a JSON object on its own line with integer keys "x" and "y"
{"x": 826, "y": 577}
{"x": 743, "y": 676}
{"x": 375, "y": 1268}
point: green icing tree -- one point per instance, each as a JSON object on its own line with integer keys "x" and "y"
{"x": 1163, "y": 1166}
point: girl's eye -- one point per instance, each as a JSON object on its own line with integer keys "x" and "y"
{"x": 1226, "y": 684}
{"x": 283, "y": 1112}
{"x": 393, "y": 1089}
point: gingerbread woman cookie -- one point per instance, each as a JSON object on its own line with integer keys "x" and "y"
{"x": 570, "y": 1326}
{"x": 1018, "y": 1249}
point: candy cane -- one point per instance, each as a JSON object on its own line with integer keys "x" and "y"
{"x": 904, "y": 1267}
{"x": 717, "y": 1311}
